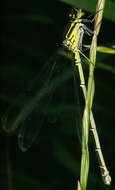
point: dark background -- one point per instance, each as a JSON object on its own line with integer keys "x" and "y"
{"x": 31, "y": 34}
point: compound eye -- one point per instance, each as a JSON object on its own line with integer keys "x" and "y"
{"x": 73, "y": 14}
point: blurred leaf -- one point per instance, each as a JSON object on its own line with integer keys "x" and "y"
{"x": 103, "y": 49}
{"x": 106, "y": 67}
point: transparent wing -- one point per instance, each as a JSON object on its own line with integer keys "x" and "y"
{"x": 28, "y": 116}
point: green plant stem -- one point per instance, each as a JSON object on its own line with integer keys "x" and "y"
{"x": 90, "y": 95}
{"x": 88, "y": 106}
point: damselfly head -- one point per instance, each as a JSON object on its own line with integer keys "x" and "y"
{"x": 75, "y": 14}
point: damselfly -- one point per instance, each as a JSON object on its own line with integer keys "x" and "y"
{"x": 46, "y": 86}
